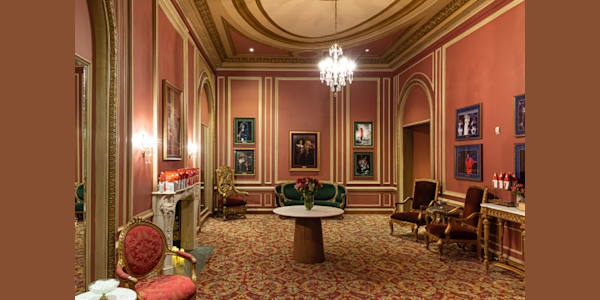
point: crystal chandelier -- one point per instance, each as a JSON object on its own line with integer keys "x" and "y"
{"x": 336, "y": 69}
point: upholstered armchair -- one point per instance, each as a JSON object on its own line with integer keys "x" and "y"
{"x": 142, "y": 249}
{"x": 231, "y": 201}
{"x": 79, "y": 196}
{"x": 463, "y": 230}
{"x": 425, "y": 192}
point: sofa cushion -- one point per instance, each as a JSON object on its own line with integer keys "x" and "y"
{"x": 327, "y": 192}
{"x": 290, "y": 192}
{"x": 79, "y": 206}
{"x": 293, "y": 202}
{"x": 172, "y": 287}
{"x": 327, "y": 203}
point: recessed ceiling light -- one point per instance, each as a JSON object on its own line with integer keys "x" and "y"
{"x": 251, "y": 49}
{"x": 367, "y": 50}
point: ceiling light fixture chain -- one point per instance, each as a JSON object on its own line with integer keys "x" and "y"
{"x": 336, "y": 70}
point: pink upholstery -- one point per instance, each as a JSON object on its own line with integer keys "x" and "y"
{"x": 166, "y": 287}
{"x": 144, "y": 248}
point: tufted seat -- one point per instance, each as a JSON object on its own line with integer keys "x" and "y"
{"x": 171, "y": 287}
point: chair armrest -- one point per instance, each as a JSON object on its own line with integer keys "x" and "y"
{"x": 461, "y": 221}
{"x": 235, "y": 190}
{"x": 343, "y": 204}
{"x": 125, "y": 277}
{"x": 189, "y": 258}
{"x": 404, "y": 201}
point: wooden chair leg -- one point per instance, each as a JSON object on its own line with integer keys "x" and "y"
{"x": 440, "y": 247}
{"x": 416, "y": 230}
{"x": 426, "y": 241}
{"x": 391, "y": 228}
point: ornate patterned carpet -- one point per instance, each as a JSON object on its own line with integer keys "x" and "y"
{"x": 79, "y": 257}
{"x": 253, "y": 260}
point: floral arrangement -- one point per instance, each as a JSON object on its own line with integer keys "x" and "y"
{"x": 518, "y": 189}
{"x": 308, "y": 186}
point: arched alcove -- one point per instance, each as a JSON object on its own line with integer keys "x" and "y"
{"x": 205, "y": 136}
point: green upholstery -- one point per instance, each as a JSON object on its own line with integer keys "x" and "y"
{"x": 79, "y": 194}
{"x": 329, "y": 195}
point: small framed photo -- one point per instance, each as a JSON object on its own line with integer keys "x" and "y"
{"x": 363, "y": 134}
{"x": 468, "y": 122}
{"x": 172, "y": 122}
{"x": 468, "y": 162}
{"x": 243, "y": 131}
{"x": 520, "y": 115}
{"x": 304, "y": 150}
{"x": 520, "y": 162}
{"x": 244, "y": 161}
{"x": 363, "y": 164}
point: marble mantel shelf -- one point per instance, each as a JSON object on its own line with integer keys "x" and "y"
{"x": 163, "y": 206}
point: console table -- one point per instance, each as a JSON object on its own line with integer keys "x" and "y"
{"x": 503, "y": 214}
{"x": 163, "y": 206}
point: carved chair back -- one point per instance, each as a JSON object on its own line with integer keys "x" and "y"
{"x": 142, "y": 249}
{"x": 225, "y": 181}
{"x": 475, "y": 196}
{"x": 424, "y": 191}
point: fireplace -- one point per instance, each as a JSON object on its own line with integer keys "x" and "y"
{"x": 164, "y": 206}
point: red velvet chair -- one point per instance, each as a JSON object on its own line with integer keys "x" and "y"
{"x": 425, "y": 192}
{"x": 231, "y": 201}
{"x": 465, "y": 230}
{"x": 142, "y": 249}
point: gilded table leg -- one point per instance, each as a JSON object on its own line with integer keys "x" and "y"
{"x": 500, "y": 239}
{"x": 523, "y": 240}
{"x": 308, "y": 241}
{"x": 486, "y": 236}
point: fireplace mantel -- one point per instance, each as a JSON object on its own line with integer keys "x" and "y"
{"x": 163, "y": 206}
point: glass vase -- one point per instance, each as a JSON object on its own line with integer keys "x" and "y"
{"x": 309, "y": 201}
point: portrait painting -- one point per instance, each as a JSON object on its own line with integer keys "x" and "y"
{"x": 520, "y": 162}
{"x": 304, "y": 150}
{"x": 172, "y": 122}
{"x": 468, "y": 162}
{"x": 243, "y": 161}
{"x": 468, "y": 122}
{"x": 363, "y": 164}
{"x": 520, "y": 115}
{"x": 243, "y": 131}
{"x": 363, "y": 134}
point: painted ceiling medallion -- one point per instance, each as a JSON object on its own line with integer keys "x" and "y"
{"x": 336, "y": 68}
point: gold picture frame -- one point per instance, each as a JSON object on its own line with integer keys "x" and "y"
{"x": 173, "y": 122}
{"x": 303, "y": 156}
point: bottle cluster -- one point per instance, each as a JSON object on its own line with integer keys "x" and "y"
{"x": 173, "y": 181}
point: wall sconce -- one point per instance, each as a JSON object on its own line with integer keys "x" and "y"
{"x": 192, "y": 149}
{"x": 146, "y": 144}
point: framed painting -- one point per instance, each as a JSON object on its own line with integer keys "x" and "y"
{"x": 468, "y": 123}
{"x": 363, "y": 134}
{"x": 520, "y": 115}
{"x": 243, "y": 161}
{"x": 304, "y": 151}
{"x": 243, "y": 131}
{"x": 172, "y": 122}
{"x": 468, "y": 162}
{"x": 520, "y": 162}
{"x": 363, "y": 164}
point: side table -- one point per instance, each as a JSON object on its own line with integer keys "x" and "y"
{"x": 120, "y": 293}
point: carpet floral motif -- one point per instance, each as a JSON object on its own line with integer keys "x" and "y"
{"x": 79, "y": 257}
{"x": 252, "y": 259}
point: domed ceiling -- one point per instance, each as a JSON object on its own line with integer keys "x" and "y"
{"x": 298, "y": 33}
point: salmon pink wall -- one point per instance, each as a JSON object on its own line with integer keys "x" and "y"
{"x": 170, "y": 68}
{"x": 142, "y": 101}
{"x": 480, "y": 61}
{"x": 416, "y": 108}
{"x": 421, "y": 151}
{"x": 204, "y": 113}
{"x": 83, "y": 30}
{"x": 244, "y": 103}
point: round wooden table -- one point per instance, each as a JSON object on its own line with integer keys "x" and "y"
{"x": 308, "y": 236}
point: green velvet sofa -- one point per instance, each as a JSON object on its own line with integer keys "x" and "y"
{"x": 331, "y": 194}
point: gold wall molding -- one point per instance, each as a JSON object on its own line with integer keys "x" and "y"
{"x": 257, "y": 130}
{"x": 350, "y": 134}
{"x": 443, "y": 49}
{"x": 406, "y": 89}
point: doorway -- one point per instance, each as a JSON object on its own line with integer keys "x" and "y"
{"x": 416, "y": 158}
